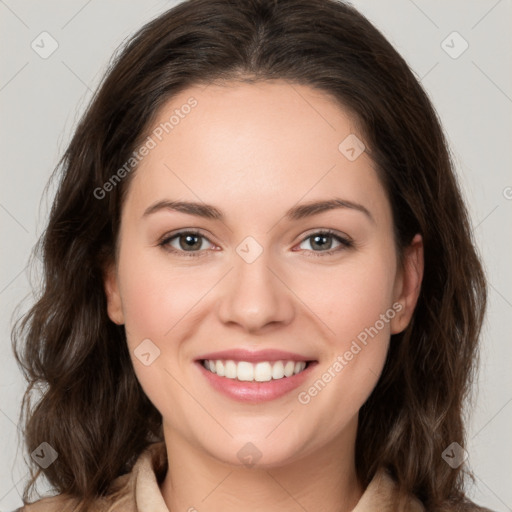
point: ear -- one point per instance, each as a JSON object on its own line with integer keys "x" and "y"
{"x": 114, "y": 304}
{"x": 408, "y": 284}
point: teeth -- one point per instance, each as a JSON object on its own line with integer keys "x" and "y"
{"x": 278, "y": 370}
{"x": 289, "y": 368}
{"x": 258, "y": 372}
{"x": 230, "y": 368}
{"x": 245, "y": 371}
{"x": 262, "y": 372}
{"x": 219, "y": 368}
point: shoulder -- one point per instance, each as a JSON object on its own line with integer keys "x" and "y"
{"x": 121, "y": 496}
{"x": 64, "y": 503}
{"x": 118, "y": 499}
{"x": 61, "y": 503}
{"x": 381, "y": 494}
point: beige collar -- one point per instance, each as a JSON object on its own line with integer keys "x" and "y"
{"x": 139, "y": 490}
{"x": 377, "y": 496}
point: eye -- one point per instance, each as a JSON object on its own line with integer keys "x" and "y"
{"x": 322, "y": 243}
{"x": 185, "y": 243}
{"x": 192, "y": 243}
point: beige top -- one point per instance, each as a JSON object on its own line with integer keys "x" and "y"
{"x": 139, "y": 491}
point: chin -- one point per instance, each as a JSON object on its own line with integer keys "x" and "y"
{"x": 255, "y": 453}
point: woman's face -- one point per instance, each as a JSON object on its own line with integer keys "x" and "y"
{"x": 259, "y": 283}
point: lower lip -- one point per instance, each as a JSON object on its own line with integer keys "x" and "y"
{"x": 244, "y": 391}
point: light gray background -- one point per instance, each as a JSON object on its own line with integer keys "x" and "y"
{"x": 41, "y": 100}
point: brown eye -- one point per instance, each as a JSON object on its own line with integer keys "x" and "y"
{"x": 191, "y": 242}
{"x": 323, "y": 242}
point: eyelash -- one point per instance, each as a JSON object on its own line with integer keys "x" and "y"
{"x": 345, "y": 243}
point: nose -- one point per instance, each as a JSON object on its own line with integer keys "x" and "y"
{"x": 255, "y": 295}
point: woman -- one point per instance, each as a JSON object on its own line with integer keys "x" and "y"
{"x": 261, "y": 290}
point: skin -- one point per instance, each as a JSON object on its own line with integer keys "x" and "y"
{"x": 254, "y": 151}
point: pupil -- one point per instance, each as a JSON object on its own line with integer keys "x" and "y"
{"x": 191, "y": 242}
{"x": 323, "y": 238}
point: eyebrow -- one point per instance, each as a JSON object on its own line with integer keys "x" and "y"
{"x": 295, "y": 213}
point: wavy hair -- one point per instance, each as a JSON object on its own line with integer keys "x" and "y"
{"x": 92, "y": 409}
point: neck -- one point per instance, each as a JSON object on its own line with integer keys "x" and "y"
{"x": 320, "y": 480}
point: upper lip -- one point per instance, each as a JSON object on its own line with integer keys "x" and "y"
{"x": 254, "y": 356}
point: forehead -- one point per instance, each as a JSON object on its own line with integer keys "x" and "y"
{"x": 250, "y": 145}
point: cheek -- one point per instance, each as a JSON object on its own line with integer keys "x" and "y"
{"x": 143, "y": 306}
{"x": 155, "y": 298}
{"x": 155, "y": 295}
{"x": 357, "y": 305}
{"x": 350, "y": 296}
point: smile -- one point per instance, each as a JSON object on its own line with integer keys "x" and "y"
{"x": 263, "y": 371}
{"x": 255, "y": 376}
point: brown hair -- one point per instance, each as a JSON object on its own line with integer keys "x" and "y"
{"x": 92, "y": 409}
